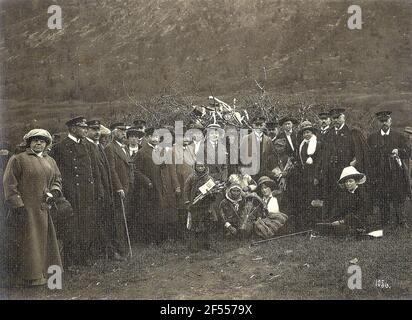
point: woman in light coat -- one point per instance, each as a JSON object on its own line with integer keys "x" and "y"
{"x": 32, "y": 182}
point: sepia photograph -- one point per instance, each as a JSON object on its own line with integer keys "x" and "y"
{"x": 205, "y": 150}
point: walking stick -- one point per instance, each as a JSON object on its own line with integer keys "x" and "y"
{"x": 127, "y": 229}
{"x": 279, "y": 237}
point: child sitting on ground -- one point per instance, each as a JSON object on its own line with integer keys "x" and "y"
{"x": 274, "y": 220}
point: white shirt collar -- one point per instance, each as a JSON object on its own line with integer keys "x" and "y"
{"x": 289, "y": 138}
{"x": 120, "y": 144}
{"x": 259, "y": 135}
{"x": 340, "y": 128}
{"x": 385, "y": 133}
{"x": 73, "y": 138}
{"x": 325, "y": 128}
{"x": 92, "y": 141}
{"x": 353, "y": 191}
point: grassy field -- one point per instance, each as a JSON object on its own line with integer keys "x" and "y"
{"x": 299, "y": 267}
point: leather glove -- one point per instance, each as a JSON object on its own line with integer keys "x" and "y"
{"x": 64, "y": 208}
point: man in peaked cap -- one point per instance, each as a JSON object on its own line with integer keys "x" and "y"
{"x": 389, "y": 150}
{"x": 77, "y": 122}
{"x": 103, "y": 183}
{"x": 77, "y": 162}
{"x": 339, "y": 153}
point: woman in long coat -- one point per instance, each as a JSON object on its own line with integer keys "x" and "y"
{"x": 310, "y": 166}
{"x": 31, "y": 181}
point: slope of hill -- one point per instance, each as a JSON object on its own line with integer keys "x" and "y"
{"x": 109, "y": 47}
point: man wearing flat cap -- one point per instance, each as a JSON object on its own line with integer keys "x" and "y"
{"x": 389, "y": 151}
{"x": 77, "y": 163}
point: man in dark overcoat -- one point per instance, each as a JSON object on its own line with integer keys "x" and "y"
{"x": 158, "y": 187}
{"x": 76, "y": 161}
{"x": 263, "y": 143}
{"x": 389, "y": 152}
{"x": 339, "y": 153}
{"x": 122, "y": 174}
{"x": 106, "y": 212}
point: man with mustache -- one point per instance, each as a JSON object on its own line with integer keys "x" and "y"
{"x": 389, "y": 150}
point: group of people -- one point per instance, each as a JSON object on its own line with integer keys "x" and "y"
{"x": 99, "y": 190}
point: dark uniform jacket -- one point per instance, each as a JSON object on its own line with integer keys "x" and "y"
{"x": 77, "y": 164}
{"x": 340, "y": 148}
{"x": 338, "y": 154}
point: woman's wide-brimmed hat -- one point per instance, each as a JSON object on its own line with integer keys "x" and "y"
{"x": 307, "y": 125}
{"x": 351, "y": 173}
{"x": 267, "y": 181}
{"x": 38, "y": 133}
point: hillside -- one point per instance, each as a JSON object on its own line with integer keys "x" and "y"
{"x": 108, "y": 48}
